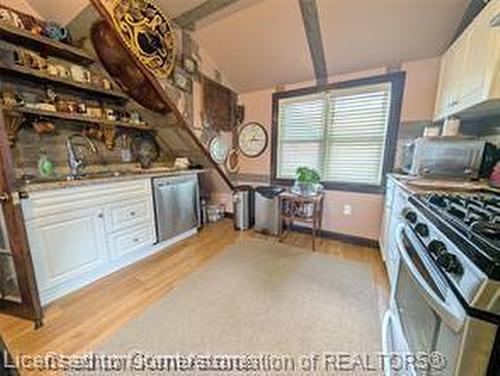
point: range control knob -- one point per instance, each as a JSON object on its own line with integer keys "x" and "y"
{"x": 409, "y": 215}
{"x": 450, "y": 263}
{"x": 422, "y": 230}
{"x": 437, "y": 247}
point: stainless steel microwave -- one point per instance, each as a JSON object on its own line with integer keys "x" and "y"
{"x": 457, "y": 157}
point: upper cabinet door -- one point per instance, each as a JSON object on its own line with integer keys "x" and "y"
{"x": 470, "y": 67}
{"x": 478, "y": 41}
{"x": 450, "y": 87}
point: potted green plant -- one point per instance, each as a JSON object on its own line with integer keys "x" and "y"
{"x": 307, "y": 182}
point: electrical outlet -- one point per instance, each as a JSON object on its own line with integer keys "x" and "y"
{"x": 347, "y": 210}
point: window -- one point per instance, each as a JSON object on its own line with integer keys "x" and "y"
{"x": 345, "y": 131}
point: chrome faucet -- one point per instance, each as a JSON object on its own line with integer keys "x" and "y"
{"x": 76, "y": 163}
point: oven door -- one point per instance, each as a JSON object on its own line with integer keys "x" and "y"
{"x": 425, "y": 305}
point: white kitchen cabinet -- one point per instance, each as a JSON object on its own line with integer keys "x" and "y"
{"x": 66, "y": 246}
{"x": 469, "y": 81}
{"x": 80, "y": 234}
{"x": 130, "y": 240}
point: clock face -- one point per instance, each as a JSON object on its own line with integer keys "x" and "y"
{"x": 252, "y": 139}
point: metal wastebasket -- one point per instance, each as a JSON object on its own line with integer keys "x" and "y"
{"x": 267, "y": 211}
{"x": 243, "y": 207}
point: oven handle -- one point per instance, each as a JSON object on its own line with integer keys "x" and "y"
{"x": 454, "y": 319}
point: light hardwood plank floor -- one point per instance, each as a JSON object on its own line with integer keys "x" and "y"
{"x": 79, "y": 322}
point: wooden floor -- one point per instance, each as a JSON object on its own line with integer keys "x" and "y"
{"x": 82, "y": 320}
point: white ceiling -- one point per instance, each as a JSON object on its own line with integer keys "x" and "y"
{"x": 260, "y": 46}
{"x": 363, "y": 34}
{"x": 262, "y": 43}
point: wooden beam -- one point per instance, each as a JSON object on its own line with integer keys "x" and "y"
{"x": 310, "y": 17}
{"x": 188, "y": 19}
{"x": 104, "y": 9}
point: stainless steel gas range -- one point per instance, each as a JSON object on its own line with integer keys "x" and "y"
{"x": 446, "y": 298}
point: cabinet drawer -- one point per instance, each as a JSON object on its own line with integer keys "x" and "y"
{"x": 129, "y": 240}
{"x": 123, "y": 215}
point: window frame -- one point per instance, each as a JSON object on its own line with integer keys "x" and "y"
{"x": 397, "y": 82}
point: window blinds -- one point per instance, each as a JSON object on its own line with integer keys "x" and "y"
{"x": 301, "y": 131}
{"x": 341, "y": 133}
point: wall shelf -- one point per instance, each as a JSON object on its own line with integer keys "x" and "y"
{"x": 44, "y": 78}
{"x": 73, "y": 117}
{"x": 44, "y": 45}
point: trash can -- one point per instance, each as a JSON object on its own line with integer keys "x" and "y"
{"x": 267, "y": 211}
{"x": 243, "y": 207}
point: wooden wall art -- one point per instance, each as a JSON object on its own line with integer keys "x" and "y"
{"x": 219, "y": 103}
{"x": 147, "y": 33}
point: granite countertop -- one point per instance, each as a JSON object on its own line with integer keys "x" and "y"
{"x": 38, "y": 185}
{"x": 416, "y": 184}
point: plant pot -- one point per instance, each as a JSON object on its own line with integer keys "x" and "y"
{"x": 306, "y": 189}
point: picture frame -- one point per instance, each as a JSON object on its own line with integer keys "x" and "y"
{"x": 190, "y": 65}
{"x": 182, "y": 80}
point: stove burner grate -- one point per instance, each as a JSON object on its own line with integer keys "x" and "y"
{"x": 476, "y": 213}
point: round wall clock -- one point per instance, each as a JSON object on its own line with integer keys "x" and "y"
{"x": 252, "y": 139}
{"x": 218, "y": 149}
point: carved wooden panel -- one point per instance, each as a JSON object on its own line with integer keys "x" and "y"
{"x": 219, "y": 105}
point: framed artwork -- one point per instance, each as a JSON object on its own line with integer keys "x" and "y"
{"x": 182, "y": 80}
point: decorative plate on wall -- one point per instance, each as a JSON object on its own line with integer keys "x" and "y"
{"x": 233, "y": 161}
{"x": 145, "y": 149}
{"x": 253, "y": 139}
{"x": 147, "y": 32}
{"x": 218, "y": 149}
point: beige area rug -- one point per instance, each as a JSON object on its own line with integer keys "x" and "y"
{"x": 269, "y": 304}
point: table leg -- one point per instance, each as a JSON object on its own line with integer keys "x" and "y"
{"x": 314, "y": 235}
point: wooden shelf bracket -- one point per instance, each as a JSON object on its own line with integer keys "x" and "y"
{"x": 13, "y": 123}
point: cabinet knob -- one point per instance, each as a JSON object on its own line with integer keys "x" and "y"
{"x": 100, "y": 215}
{"x": 132, "y": 214}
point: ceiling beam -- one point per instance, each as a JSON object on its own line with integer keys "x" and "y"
{"x": 312, "y": 27}
{"x": 189, "y": 18}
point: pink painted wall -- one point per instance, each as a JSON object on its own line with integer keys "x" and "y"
{"x": 366, "y": 209}
{"x": 421, "y": 87}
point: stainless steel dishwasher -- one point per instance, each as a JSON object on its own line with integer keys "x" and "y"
{"x": 176, "y": 205}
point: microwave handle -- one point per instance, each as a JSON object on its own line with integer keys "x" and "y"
{"x": 453, "y": 319}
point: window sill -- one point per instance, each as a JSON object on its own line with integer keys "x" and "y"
{"x": 345, "y": 187}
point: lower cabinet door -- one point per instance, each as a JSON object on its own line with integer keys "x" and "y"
{"x": 67, "y": 246}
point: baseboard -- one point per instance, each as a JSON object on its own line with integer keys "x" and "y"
{"x": 356, "y": 240}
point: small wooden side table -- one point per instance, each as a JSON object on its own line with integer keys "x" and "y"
{"x": 302, "y": 209}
